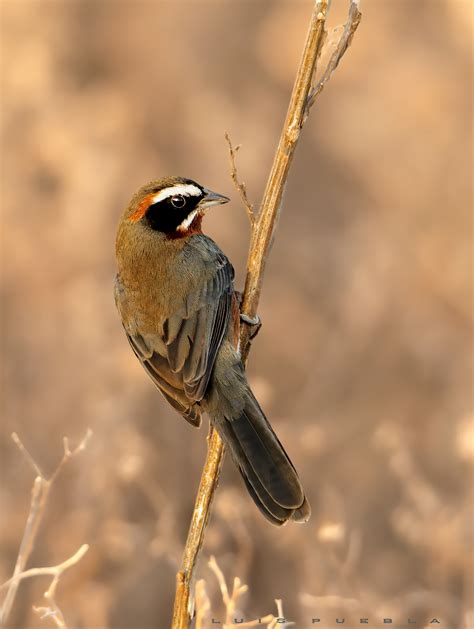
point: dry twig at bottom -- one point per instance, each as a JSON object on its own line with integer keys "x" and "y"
{"x": 263, "y": 228}
{"x": 231, "y": 601}
{"x": 39, "y": 497}
{"x": 53, "y": 611}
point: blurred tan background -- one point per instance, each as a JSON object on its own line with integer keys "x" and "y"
{"x": 363, "y": 363}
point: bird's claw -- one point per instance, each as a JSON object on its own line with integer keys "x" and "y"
{"x": 250, "y": 320}
{"x": 254, "y": 322}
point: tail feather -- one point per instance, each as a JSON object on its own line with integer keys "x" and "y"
{"x": 267, "y": 470}
{"x": 268, "y": 459}
{"x": 303, "y": 513}
{"x": 265, "y": 502}
{"x": 269, "y": 508}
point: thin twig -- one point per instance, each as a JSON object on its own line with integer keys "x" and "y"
{"x": 344, "y": 42}
{"x": 263, "y": 228}
{"x": 280, "y": 620}
{"x": 39, "y": 496}
{"x": 19, "y": 444}
{"x": 212, "y": 563}
{"x": 203, "y": 605}
{"x": 68, "y": 454}
{"x": 53, "y": 611}
{"x": 230, "y": 600}
{"x": 51, "y": 571}
{"x": 240, "y": 185}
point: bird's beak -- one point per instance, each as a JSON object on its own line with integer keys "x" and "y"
{"x": 212, "y": 198}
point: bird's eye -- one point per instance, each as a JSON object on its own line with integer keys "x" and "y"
{"x": 178, "y": 201}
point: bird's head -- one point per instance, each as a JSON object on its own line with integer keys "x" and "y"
{"x": 172, "y": 205}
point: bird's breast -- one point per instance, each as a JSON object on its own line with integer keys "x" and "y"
{"x": 154, "y": 283}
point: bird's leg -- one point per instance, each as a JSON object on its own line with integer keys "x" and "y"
{"x": 209, "y": 433}
{"x": 255, "y": 323}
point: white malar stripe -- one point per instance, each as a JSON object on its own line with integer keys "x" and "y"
{"x": 187, "y": 221}
{"x": 188, "y": 190}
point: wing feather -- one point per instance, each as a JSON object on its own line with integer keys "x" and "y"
{"x": 180, "y": 357}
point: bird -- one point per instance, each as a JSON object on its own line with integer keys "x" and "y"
{"x": 174, "y": 291}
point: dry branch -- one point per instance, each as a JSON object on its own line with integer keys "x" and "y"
{"x": 231, "y": 602}
{"x": 263, "y": 227}
{"x": 39, "y": 496}
{"x": 240, "y": 185}
{"x": 203, "y": 605}
{"x": 53, "y": 611}
{"x": 344, "y": 42}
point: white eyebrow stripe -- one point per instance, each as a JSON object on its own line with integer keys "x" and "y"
{"x": 188, "y": 190}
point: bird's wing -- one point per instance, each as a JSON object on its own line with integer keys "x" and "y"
{"x": 193, "y": 336}
{"x": 180, "y": 360}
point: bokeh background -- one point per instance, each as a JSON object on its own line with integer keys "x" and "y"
{"x": 364, "y": 360}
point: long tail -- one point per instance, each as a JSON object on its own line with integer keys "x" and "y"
{"x": 267, "y": 471}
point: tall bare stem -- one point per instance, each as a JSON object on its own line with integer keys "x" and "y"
{"x": 262, "y": 233}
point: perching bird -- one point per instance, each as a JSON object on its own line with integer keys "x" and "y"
{"x": 175, "y": 294}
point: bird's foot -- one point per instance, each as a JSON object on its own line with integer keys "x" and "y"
{"x": 255, "y": 324}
